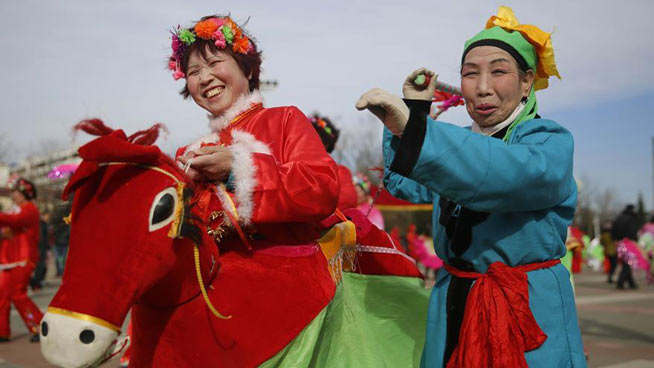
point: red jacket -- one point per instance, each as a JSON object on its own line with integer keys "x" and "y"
{"x": 347, "y": 197}
{"x": 283, "y": 180}
{"x": 23, "y": 245}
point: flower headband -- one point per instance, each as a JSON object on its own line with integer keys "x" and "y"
{"x": 222, "y": 30}
{"x": 362, "y": 181}
{"x": 322, "y": 124}
{"x": 25, "y": 187}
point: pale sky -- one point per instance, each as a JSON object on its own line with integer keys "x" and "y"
{"x": 67, "y": 60}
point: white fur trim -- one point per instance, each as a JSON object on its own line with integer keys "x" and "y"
{"x": 244, "y": 172}
{"x": 217, "y": 123}
{"x": 223, "y": 196}
{"x": 211, "y": 138}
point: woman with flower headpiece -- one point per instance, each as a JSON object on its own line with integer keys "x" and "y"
{"x": 272, "y": 164}
{"x": 265, "y": 181}
{"x": 503, "y": 195}
{"x": 19, "y": 254}
{"x": 329, "y": 134}
{"x": 365, "y": 203}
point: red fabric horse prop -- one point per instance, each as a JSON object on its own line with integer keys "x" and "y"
{"x": 138, "y": 242}
{"x": 133, "y": 235}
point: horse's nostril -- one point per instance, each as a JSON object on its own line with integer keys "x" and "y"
{"x": 44, "y": 328}
{"x": 87, "y": 336}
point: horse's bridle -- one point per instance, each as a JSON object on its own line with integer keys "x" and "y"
{"x": 175, "y": 233}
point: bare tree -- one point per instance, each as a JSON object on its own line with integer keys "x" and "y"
{"x": 606, "y": 204}
{"x": 47, "y": 146}
{"x": 5, "y": 149}
{"x": 360, "y": 147}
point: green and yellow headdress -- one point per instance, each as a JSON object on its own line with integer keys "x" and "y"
{"x": 530, "y": 47}
{"x": 528, "y": 44}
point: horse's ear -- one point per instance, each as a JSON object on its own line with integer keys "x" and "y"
{"x": 115, "y": 148}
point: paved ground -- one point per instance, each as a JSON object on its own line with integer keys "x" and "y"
{"x": 617, "y": 325}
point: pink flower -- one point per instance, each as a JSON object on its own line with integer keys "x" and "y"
{"x": 172, "y": 65}
{"x": 176, "y": 43}
{"x": 219, "y": 21}
{"x": 220, "y": 39}
{"x": 178, "y": 74}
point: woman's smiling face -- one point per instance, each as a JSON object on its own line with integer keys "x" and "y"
{"x": 492, "y": 85}
{"x": 215, "y": 82}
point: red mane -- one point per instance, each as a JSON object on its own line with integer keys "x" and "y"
{"x": 97, "y": 127}
{"x": 114, "y": 146}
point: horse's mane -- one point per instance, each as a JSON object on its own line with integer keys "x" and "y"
{"x": 146, "y": 137}
{"x": 97, "y": 127}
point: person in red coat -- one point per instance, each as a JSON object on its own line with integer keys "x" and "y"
{"x": 19, "y": 255}
{"x": 265, "y": 168}
{"x": 347, "y": 196}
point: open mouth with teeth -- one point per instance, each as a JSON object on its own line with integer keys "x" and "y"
{"x": 213, "y": 92}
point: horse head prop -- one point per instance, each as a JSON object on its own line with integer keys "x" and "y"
{"x": 134, "y": 239}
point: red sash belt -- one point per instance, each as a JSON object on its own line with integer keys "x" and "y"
{"x": 498, "y": 326}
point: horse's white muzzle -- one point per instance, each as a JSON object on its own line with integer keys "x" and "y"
{"x": 72, "y": 342}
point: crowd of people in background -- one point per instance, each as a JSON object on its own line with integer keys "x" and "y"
{"x": 27, "y": 238}
{"x": 622, "y": 248}
{"x": 53, "y": 242}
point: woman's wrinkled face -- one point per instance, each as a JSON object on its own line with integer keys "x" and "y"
{"x": 492, "y": 84}
{"x": 216, "y": 82}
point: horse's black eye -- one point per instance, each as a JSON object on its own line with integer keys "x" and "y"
{"x": 163, "y": 209}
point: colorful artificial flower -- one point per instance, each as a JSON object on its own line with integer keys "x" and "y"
{"x": 235, "y": 28}
{"x": 228, "y": 33}
{"x": 178, "y": 74}
{"x": 186, "y": 36}
{"x": 206, "y": 29}
{"x": 219, "y": 21}
{"x": 241, "y": 45}
{"x": 220, "y": 39}
{"x": 176, "y": 42}
{"x": 222, "y": 30}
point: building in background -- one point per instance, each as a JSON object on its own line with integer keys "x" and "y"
{"x": 36, "y": 169}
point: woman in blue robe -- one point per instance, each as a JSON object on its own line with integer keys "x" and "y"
{"x": 503, "y": 195}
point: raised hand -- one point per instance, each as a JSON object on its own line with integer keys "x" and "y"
{"x": 389, "y": 108}
{"x": 425, "y": 91}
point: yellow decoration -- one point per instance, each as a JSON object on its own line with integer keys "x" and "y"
{"x": 84, "y": 317}
{"x": 176, "y": 226}
{"x": 198, "y": 272}
{"x": 338, "y": 246}
{"x": 541, "y": 41}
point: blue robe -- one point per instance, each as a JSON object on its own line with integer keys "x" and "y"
{"x": 527, "y": 188}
